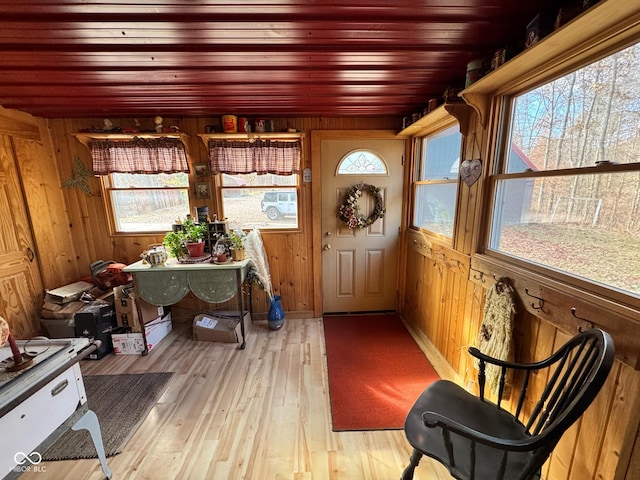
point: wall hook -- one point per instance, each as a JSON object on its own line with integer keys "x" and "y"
{"x": 502, "y": 285}
{"x": 533, "y": 305}
{"x": 587, "y": 323}
{"x": 479, "y": 276}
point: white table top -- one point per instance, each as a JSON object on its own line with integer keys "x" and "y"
{"x": 173, "y": 265}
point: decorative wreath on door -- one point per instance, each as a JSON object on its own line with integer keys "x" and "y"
{"x": 349, "y": 211}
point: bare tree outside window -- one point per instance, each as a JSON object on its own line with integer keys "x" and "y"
{"x": 568, "y": 195}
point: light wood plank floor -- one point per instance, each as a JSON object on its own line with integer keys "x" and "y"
{"x": 260, "y": 414}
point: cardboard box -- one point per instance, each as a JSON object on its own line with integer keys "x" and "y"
{"x": 104, "y": 349}
{"x": 133, "y": 343}
{"x": 68, "y": 310}
{"x": 60, "y": 311}
{"x": 94, "y": 313}
{"x": 59, "y": 327}
{"x": 68, "y": 293}
{"x": 130, "y": 309}
{"x": 219, "y": 326}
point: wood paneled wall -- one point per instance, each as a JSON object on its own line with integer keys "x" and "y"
{"x": 443, "y": 302}
{"x": 289, "y": 254}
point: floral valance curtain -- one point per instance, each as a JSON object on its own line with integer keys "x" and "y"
{"x": 139, "y": 155}
{"x": 260, "y": 156}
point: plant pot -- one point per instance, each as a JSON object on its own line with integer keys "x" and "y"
{"x": 237, "y": 254}
{"x": 195, "y": 249}
{"x": 275, "y": 315}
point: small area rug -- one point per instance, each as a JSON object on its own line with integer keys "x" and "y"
{"x": 376, "y": 371}
{"x": 121, "y": 402}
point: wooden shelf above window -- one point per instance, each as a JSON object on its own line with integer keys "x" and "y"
{"x": 438, "y": 119}
{"x": 85, "y": 138}
{"x": 607, "y": 26}
{"x": 284, "y": 136}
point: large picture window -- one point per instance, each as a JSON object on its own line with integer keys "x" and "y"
{"x": 567, "y": 190}
{"x": 436, "y": 185}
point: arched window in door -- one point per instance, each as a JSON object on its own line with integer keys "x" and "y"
{"x": 362, "y": 162}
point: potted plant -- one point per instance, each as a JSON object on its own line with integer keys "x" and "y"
{"x": 237, "y": 238}
{"x": 175, "y": 244}
{"x": 221, "y": 252}
{"x": 194, "y": 237}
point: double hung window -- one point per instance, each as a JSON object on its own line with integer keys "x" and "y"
{"x": 436, "y": 181}
{"x": 259, "y": 180}
{"x": 146, "y": 202}
{"x": 145, "y": 180}
{"x": 566, "y": 190}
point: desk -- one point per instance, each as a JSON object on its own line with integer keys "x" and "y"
{"x": 168, "y": 284}
{"x": 40, "y": 403}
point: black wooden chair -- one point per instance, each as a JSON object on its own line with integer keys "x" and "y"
{"x": 479, "y": 440}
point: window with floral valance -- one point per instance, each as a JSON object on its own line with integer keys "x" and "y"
{"x": 139, "y": 155}
{"x": 277, "y": 157}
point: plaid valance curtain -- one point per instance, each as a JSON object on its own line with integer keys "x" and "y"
{"x": 260, "y": 156}
{"x": 139, "y": 155}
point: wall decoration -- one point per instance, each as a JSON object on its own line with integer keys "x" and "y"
{"x": 470, "y": 171}
{"x": 80, "y": 175}
{"x": 495, "y": 336}
{"x": 349, "y": 211}
{"x": 202, "y": 169}
{"x": 202, "y": 190}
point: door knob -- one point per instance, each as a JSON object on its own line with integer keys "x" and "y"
{"x": 327, "y": 247}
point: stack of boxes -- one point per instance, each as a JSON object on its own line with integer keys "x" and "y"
{"x": 124, "y": 323}
{"x": 61, "y": 304}
{"x": 141, "y": 325}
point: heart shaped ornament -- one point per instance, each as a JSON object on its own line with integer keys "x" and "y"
{"x": 470, "y": 171}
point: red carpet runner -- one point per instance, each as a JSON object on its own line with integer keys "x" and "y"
{"x": 376, "y": 371}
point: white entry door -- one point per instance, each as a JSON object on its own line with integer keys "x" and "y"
{"x": 359, "y": 266}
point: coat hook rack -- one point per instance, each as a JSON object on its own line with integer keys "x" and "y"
{"x": 533, "y": 305}
{"x": 588, "y": 323}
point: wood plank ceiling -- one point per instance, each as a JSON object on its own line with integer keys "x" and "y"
{"x": 133, "y": 58}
